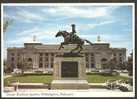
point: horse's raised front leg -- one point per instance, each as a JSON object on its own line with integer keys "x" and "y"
{"x": 61, "y": 46}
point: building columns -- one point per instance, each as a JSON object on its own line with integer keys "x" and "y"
{"x": 98, "y": 62}
{"x": 35, "y": 61}
{"x": 89, "y": 59}
{"x": 43, "y": 61}
{"x": 49, "y": 60}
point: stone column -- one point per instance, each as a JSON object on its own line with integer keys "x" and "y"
{"x": 35, "y": 60}
{"x": 85, "y": 61}
{"x": 49, "y": 59}
{"x": 43, "y": 61}
{"x": 89, "y": 59}
{"x": 97, "y": 60}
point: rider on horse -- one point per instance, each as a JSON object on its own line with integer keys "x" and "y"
{"x": 73, "y": 36}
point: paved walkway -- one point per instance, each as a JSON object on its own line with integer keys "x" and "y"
{"x": 6, "y": 76}
{"x": 97, "y": 84}
{"x": 11, "y": 89}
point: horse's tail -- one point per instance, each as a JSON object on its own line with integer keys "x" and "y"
{"x": 89, "y": 42}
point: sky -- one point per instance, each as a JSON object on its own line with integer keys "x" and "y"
{"x": 112, "y": 23}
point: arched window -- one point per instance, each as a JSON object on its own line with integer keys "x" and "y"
{"x": 104, "y": 63}
{"x": 29, "y": 60}
{"x": 103, "y": 60}
{"x": 92, "y": 65}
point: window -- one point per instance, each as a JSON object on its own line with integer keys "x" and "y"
{"x": 114, "y": 54}
{"x": 86, "y": 58}
{"x": 52, "y": 54}
{"x": 12, "y": 54}
{"x": 12, "y": 65}
{"x": 86, "y": 54}
{"x": 120, "y": 59}
{"x": 46, "y": 59}
{"x": 120, "y": 54}
{"x": 103, "y": 59}
{"x": 46, "y": 65}
{"x": 40, "y": 54}
{"x": 92, "y": 60}
{"x": 87, "y": 65}
{"x": 115, "y": 59}
{"x": 40, "y": 65}
{"x": 29, "y": 60}
{"x": 52, "y": 59}
{"x": 92, "y": 55}
{"x": 51, "y": 65}
{"x": 46, "y": 54}
{"x": 12, "y": 58}
{"x": 92, "y": 65}
{"x": 40, "y": 59}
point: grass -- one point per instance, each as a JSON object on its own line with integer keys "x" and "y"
{"x": 40, "y": 78}
{"x": 43, "y": 78}
{"x": 98, "y": 78}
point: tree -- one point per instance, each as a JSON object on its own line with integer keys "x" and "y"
{"x": 7, "y": 67}
{"x": 112, "y": 64}
{"x": 7, "y": 22}
{"x": 104, "y": 63}
{"x": 22, "y": 64}
{"x": 130, "y": 64}
{"x": 122, "y": 66}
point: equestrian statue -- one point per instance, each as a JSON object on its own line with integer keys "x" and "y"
{"x": 72, "y": 38}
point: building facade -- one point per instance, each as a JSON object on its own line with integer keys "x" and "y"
{"x": 38, "y": 56}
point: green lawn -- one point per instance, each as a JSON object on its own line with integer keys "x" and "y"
{"x": 41, "y": 78}
{"x": 96, "y": 78}
{"x": 29, "y": 79}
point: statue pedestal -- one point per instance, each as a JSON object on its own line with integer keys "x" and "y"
{"x": 69, "y": 72}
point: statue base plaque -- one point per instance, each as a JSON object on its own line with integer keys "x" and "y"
{"x": 69, "y": 72}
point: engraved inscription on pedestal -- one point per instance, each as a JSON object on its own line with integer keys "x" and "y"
{"x": 69, "y": 69}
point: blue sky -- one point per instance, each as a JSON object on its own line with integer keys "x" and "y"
{"x": 112, "y": 23}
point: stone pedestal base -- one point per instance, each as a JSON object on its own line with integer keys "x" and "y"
{"x": 69, "y": 84}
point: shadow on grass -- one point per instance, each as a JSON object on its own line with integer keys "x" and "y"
{"x": 101, "y": 74}
{"x": 31, "y": 74}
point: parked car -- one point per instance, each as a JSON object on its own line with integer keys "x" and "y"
{"x": 17, "y": 71}
{"x": 94, "y": 70}
{"x": 105, "y": 71}
{"x": 124, "y": 71}
{"x": 108, "y": 72}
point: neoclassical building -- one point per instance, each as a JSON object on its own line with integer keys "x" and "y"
{"x": 38, "y": 56}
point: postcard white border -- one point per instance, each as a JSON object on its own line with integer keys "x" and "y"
{"x": 82, "y": 93}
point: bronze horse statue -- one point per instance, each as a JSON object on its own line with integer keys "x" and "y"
{"x": 69, "y": 39}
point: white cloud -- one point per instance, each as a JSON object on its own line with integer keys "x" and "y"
{"x": 22, "y": 15}
{"x": 94, "y": 25}
{"x": 100, "y": 23}
{"x": 27, "y": 35}
{"x": 46, "y": 33}
{"x": 71, "y": 11}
